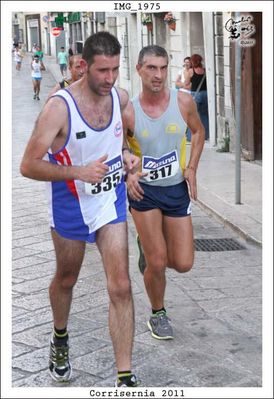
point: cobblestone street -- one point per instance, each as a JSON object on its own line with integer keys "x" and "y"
{"x": 216, "y": 308}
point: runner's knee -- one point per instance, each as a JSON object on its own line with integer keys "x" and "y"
{"x": 157, "y": 261}
{"x": 66, "y": 280}
{"x": 119, "y": 290}
{"x": 184, "y": 266}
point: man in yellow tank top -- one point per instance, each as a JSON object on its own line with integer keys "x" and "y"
{"x": 76, "y": 73}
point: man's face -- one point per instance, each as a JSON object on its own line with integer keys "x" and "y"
{"x": 75, "y": 70}
{"x": 153, "y": 72}
{"x": 187, "y": 64}
{"x": 102, "y": 73}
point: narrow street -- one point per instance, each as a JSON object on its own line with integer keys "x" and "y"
{"x": 216, "y": 308}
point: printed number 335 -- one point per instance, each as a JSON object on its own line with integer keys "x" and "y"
{"x": 108, "y": 183}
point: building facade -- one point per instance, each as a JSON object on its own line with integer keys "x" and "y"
{"x": 205, "y": 33}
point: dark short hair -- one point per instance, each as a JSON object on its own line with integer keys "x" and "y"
{"x": 62, "y": 47}
{"x": 100, "y": 43}
{"x": 187, "y": 58}
{"x": 72, "y": 58}
{"x": 152, "y": 50}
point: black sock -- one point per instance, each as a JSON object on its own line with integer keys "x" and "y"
{"x": 124, "y": 375}
{"x": 159, "y": 310}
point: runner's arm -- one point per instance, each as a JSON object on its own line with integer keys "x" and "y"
{"x": 192, "y": 119}
{"x": 52, "y": 122}
{"x": 131, "y": 161}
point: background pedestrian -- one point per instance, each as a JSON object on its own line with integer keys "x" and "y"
{"x": 36, "y": 68}
{"x": 197, "y": 79}
{"x": 183, "y": 76}
{"x": 76, "y": 73}
{"x": 17, "y": 58}
{"x": 63, "y": 61}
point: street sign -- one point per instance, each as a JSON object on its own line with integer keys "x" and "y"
{"x": 55, "y": 32}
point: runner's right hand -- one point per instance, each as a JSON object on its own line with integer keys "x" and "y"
{"x": 95, "y": 171}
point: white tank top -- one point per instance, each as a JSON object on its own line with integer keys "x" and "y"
{"x": 77, "y": 208}
{"x": 36, "y": 71}
{"x": 17, "y": 57}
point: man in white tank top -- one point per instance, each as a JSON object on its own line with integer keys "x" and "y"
{"x": 183, "y": 76}
{"x": 76, "y": 147}
{"x": 158, "y": 195}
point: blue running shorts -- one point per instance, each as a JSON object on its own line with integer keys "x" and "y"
{"x": 171, "y": 200}
{"x": 76, "y": 229}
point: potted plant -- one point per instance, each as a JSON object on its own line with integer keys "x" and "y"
{"x": 170, "y": 20}
{"x": 147, "y": 20}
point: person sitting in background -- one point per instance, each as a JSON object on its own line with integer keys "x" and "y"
{"x": 183, "y": 76}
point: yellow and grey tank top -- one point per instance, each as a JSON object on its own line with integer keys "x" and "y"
{"x": 64, "y": 83}
{"x": 160, "y": 143}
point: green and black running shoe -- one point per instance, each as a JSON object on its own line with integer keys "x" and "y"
{"x": 59, "y": 365}
{"x": 130, "y": 381}
{"x": 142, "y": 261}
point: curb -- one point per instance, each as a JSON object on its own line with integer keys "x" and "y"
{"x": 248, "y": 237}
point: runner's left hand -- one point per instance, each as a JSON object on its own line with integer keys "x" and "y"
{"x": 131, "y": 162}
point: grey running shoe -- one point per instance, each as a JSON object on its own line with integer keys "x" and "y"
{"x": 142, "y": 261}
{"x": 34, "y": 96}
{"x": 59, "y": 365}
{"x": 132, "y": 382}
{"x": 160, "y": 327}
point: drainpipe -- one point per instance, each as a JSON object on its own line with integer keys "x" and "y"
{"x": 238, "y": 82}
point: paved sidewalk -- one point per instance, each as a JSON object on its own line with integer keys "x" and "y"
{"x": 216, "y": 192}
{"x": 216, "y": 308}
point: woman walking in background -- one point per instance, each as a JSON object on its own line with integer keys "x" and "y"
{"x": 17, "y": 57}
{"x": 36, "y": 67}
{"x": 197, "y": 79}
